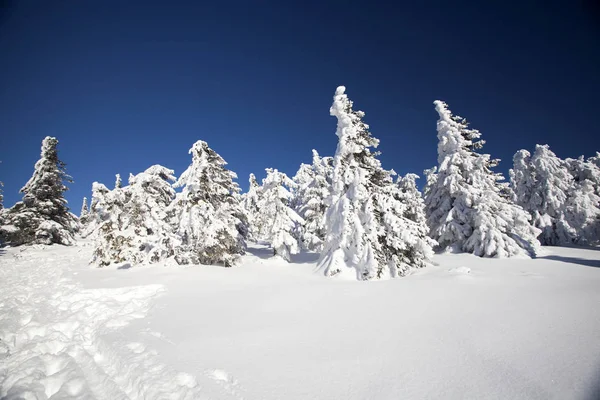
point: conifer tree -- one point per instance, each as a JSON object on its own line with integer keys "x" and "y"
{"x": 583, "y": 201}
{"x": 207, "y": 213}
{"x": 368, "y": 233}
{"x": 137, "y": 231}
{"x": 542, "y": 183}
{"x": 118, "y": 182}
{"x": 249, "y": 203}
{"x": 43, "y": 215}
{"x": 278, "y": 221}
{"x": 311, "y": 201}
{"x": 83, "y": 214}
{"x": 98, "y": 211}
{"x": 466, "y": 205}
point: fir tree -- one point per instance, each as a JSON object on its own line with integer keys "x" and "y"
{"x": 118, "y": 182}
{"x": 43, "y": 215}
{"x": 249, "y": 203}
{"x": 98, "y": 211}
{"x": 207, "y": 213}
{"x": 278, "y": 221}
{"x": 367, "y": 229}
{"x": 83, "y": 214}
{"x": 583, "y": 200}
{"x": 137, "y": 231}
{"x": 311, "y": 201}
{"x": 542, "y": 183}
{"x": 466, "y": 205}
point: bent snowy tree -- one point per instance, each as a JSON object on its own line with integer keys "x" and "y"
{"x": 368, "y": 232}
{"x": 467, "y": 209}
{"x": 43, "y": 215}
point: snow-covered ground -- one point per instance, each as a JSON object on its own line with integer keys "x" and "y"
{"x": 468, "y": 328}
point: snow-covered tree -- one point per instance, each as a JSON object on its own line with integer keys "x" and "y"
{"x": 302, "y": 179}
{"x": 368, "y": 233}
{"x": 541, "y": 183}
{"x": 466, "y": 207}
{"x": 138, "y": 232}
{"x": 278, "y": 221}
{"x": 207, "y": 213}
{"x": 413, "y": 200}
{"x": 119, "y": 182}
{"x": 583, "y": 201}
{"x": 310, "y": 198}
{"x": 43, "y": 216}
{"x": 249, "y": 204}
{"x": 83, "y": 214}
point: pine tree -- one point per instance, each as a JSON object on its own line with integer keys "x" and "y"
{"x": 542, "y": 183}
{"x": 83, "y": 214}
{"x": 367, "y": 229}
{"x": 311, "y": 200}
{"x": 118, "y": 182}
{"x": 466, "y": 205}
{"x": 583, "y": 200}
{"x": 138, "y": 231}
{"x": 43, "y": 216}
{"x": 249, "y": 203}
{"x": 278, "y": 221}
{"x": 207, "y": 213}
{"x": 98, "y": 211}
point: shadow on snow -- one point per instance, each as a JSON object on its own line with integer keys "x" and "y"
{"x": 573, "y": 260}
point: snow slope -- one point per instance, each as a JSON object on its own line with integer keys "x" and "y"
{"x": 466, "y": 328}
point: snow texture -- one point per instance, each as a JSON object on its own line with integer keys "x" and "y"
{"x": 469, "y": 328}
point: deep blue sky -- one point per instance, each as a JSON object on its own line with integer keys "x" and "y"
{"x": 127, "y": 84}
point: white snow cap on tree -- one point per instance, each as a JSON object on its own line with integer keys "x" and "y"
{"x": 207, "y": 213}
{"x": 43, "y": 216}
{"x": 137, "y": 230}
{"x": 465, "y": 203}
{"x": 277, "y": 219}
{"x": 368, "y": 234}
{"x": 118, "y": 182}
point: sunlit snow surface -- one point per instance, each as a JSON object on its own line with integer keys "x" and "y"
{"x": 465, "y": 328}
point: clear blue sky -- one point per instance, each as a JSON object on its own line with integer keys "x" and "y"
{"x": 127, "y": 84}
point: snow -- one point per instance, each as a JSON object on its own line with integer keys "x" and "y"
{"x": 466, "y": 327}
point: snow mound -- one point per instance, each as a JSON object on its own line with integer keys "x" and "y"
{"x": 460, "y": 270}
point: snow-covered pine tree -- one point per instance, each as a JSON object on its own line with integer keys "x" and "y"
{"x": 583, "y": 201}
{"x": 249, "y": 203}
{"x": 207, "y": 213}
{"x": 412, "y": 199}
{"x": 542, "y": 183}
{"x": 466, "y": 207}
{"x": 139, "y": 232}
{"x": 119, "y": 182}
{"x": 83, "y": 214}
{"x": 43, "y": 216}
{"x": 368, "y": 233}
{"x": 278, "y": 221}
{"x": 302, "y": 179}
{"x": 311, "y": 202}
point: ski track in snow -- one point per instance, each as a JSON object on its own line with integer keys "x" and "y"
{"x": 53, "y": 337}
